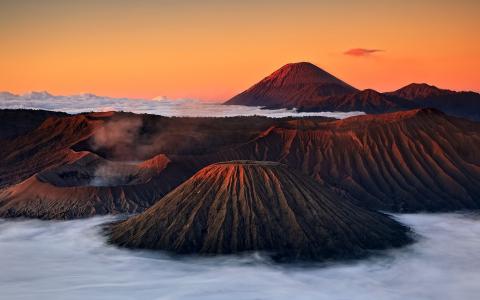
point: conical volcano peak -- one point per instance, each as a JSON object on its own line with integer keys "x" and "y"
{"x": 291, "y": 84}
{"x": 240, "y": 206}
{"x": 302, "y": 73}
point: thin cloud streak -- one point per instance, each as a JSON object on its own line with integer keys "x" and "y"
{"x": 361, "y": 52}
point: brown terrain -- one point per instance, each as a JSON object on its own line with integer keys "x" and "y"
{"x": 306, "y": 87}
{"x": 242, "y": 206}
{"x": 99, "y": 163}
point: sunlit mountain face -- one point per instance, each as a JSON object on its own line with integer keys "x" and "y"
{"x": 239, "y": 150}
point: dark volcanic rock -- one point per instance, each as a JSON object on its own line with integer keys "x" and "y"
{"x": 368, "y": 101}
{"x": 15, "y": 122}
{"x": 460, "y": 104}
{"x": 258, "y": 206}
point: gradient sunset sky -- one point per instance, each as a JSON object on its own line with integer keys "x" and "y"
{"x": 211, "y": 50}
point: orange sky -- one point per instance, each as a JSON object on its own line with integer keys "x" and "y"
{"x": 212, "y": 50}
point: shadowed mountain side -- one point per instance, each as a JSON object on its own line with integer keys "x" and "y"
{"x": 258, "y": 206}
{"x": 15, "y": 122}
{"x": 406, "y": 161}
{"x": 368, "y": 101}
{"x": 44, "y": 147}
{"x": 460, "y": 104}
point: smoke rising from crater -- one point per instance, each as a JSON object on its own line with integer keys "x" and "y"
{"x": 122, "y": 138}
{"x": 70, "y": 260}
{"x": 118, "y": 136}
{"x": 114, "y": 174}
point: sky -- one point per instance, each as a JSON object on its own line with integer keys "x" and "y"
{"x": 212, "y": 50}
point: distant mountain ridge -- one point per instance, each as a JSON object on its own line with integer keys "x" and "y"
{"x": 416, "y": 91}
{"x": 368, "y": 101}
{"x": 306, "y": 87}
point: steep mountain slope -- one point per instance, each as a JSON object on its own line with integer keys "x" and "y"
{"x": 16, "y": 122}
{"x": 405, "y": 161}
{"x": 290, "y": 84}
{"x": 258, "y": 206}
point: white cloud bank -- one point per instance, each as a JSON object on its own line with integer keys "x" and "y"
{"x": 70, "y": 260}
{"x": 158, "y": 106}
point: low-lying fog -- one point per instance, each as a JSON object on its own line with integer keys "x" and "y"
{"x": 70, "y": 260}
{"x": 165, "y": 107}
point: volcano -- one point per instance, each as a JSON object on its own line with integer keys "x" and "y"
{"x": 239, "y": 206}
{"x": 292, "y": 83}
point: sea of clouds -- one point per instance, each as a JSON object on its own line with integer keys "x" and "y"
{"x": 160, "y": 106}
{"x": 71, "y": 260}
